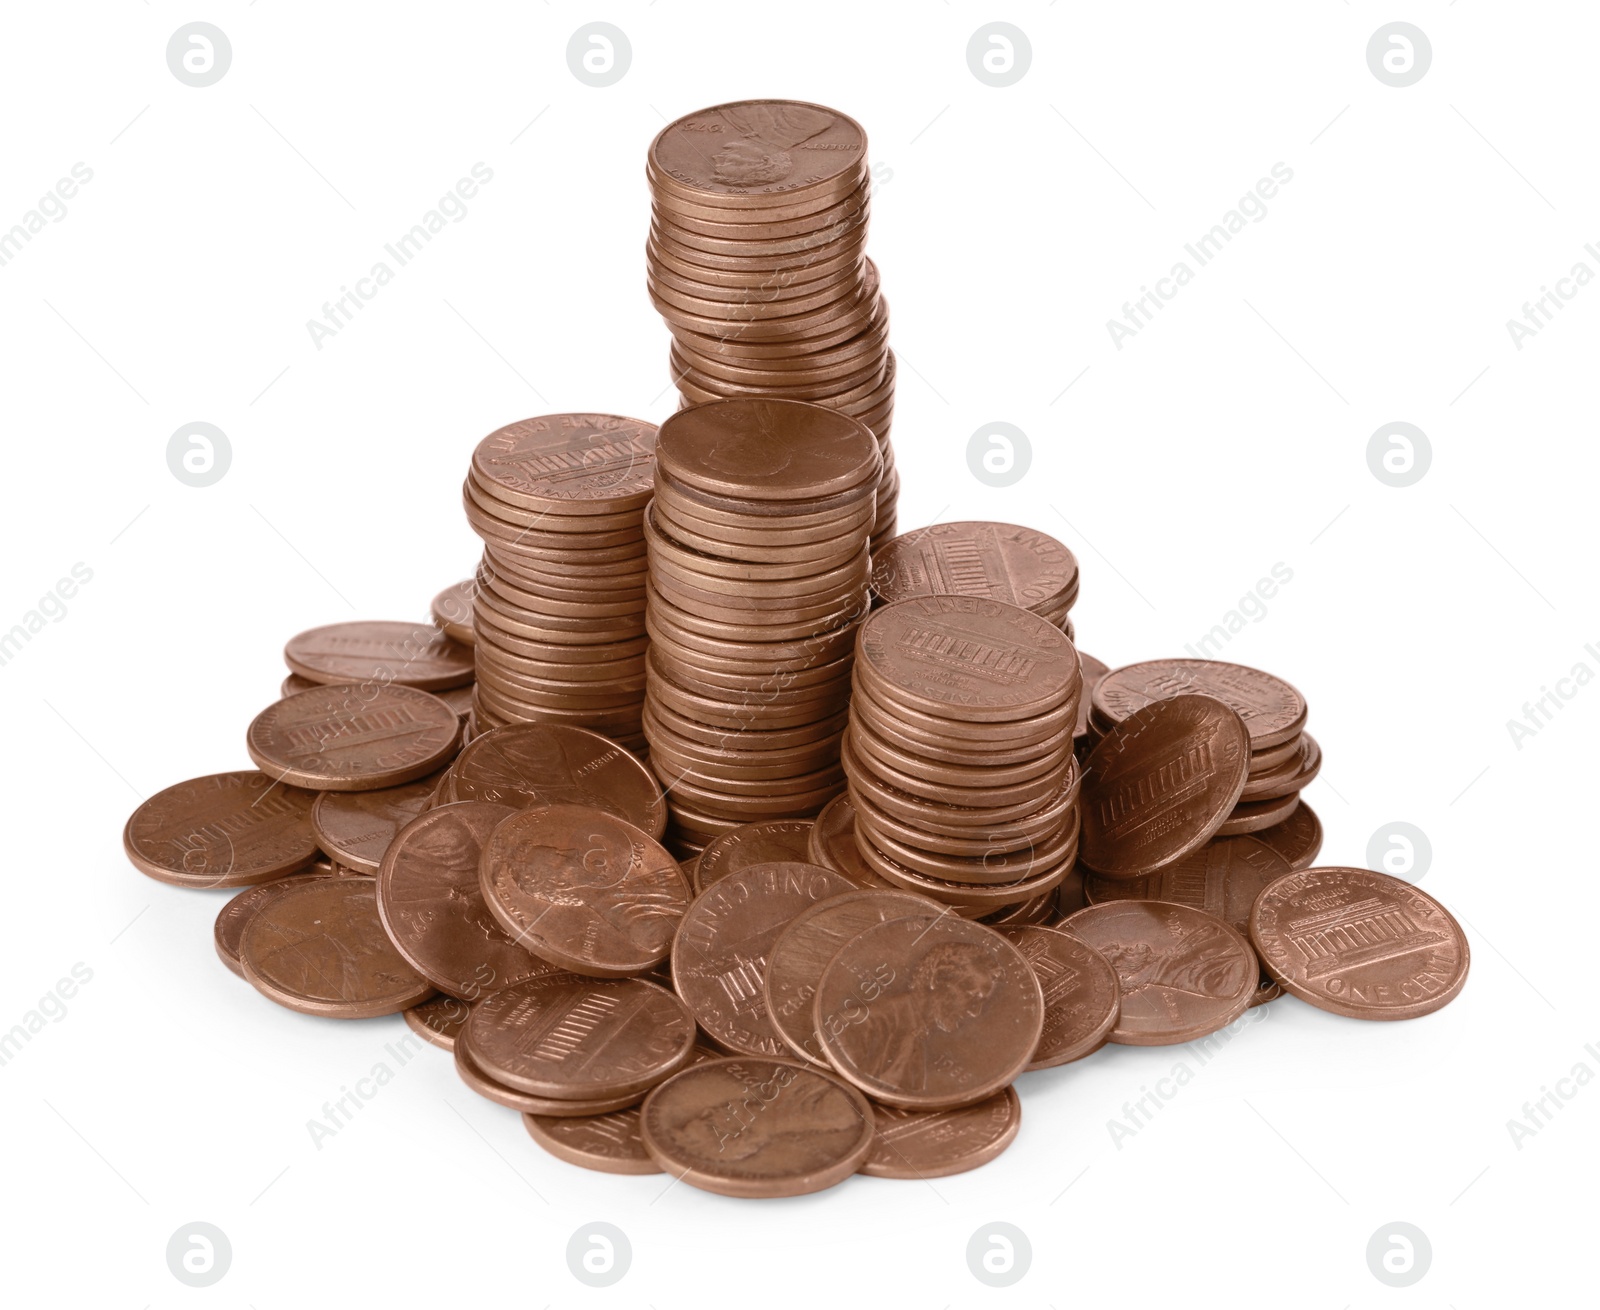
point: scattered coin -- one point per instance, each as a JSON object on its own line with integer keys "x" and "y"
{"x": 452, "y": 611}
{"x": 228, "y": 930}
{"x": 1298, "y": 838}
{"x": 765, "y": 842}
{"x": 321, "y": 949}
{"x": 356, "y": 827}
{"x": 222, "y": 830}
{"x": 994, "y": 561}
{"x": 1183, "y": 973}
{"x": 938, "y": 1143}
{"x": 474, "y": 1076}
{"x": 438, "y": 1021}
{"x": 1359, "y": 943}
{"x": 1272, "y": 710}
{"x": 410, "y": 654}
{"x": 1081, "y": 995}
{"x": 757, "y": 1127}
{"x": 348, "y": 738}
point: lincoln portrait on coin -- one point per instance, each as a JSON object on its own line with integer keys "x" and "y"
{"x": 1204, "y": 963}
{"x": 948, "y": 986}
{"x": 644, "y": 913}
{"x": 759, "y": 154}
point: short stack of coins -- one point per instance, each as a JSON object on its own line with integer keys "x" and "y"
{"x": 757, "y": 262}
{"x": 960, "y": 755}
{"x": 1284, "y": 758}
{"x": 997, "y": 561}
{"x": 558, "y": 610}
{"x": 759, "y": 573}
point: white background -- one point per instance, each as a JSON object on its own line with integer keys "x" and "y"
{"x": 1010, "y": 225}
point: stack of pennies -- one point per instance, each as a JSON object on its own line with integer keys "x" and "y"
{"x": 1284, "y": 758}
{"x": 758, "y": 575}
{"x": 757, "y": 261}
{"x": 959, "y": 754}
{"x": 558, "y": 601}
{"x": 996, "y": 561}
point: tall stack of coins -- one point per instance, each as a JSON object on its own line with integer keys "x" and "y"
{"x": 756, "y": 260}
{"x": 959, "y": 753}
{"x": 997, "y": 561}
{"x": 558, "y": 609}
{"x": 1284, "y": 758}
{"x": 758, "y": 574}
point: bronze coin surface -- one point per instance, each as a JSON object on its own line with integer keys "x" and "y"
{"x": 222, "y": 830}
{"x": 938, "y": 1143}
{"x": 976, "y": 660}
{"x": 607, "y": 1143}
{"x": 772, "y": 840}
{"x": 573, "y": 1038}
{"x": 1272, "y": 710}
{"x": 546, "y": 763}
{"x": 433, "y": 909}
{"x": 438, "y": 1021}
{"x": 833, "y": 844}
{"x": 928, "y": 1012}
{"x": 782, "y": 450}
{"x": 411, "y": 654}
{"x": 479, "y": 1080}
{"x": 344, "y": 737}
{"x": 1359, "y": 943}
{"x": 569, "y": 464}
{"x": 452, "y": 611}
{"x": 995, "y": 561}
{"x": 584, "y": 889}
{"x": 719, "y": 957}
{"x": 1161, "y": 783}
{"x": 356, "y": 827}
{"x": 755, "y": 1127}
{"x": 1182, "y": 972}
{"x": 1223, "y": 878}
{"x": 1082, "y": 997}
{"x": 228, "y": 931}
{"x": 321, "y": 949}
{"x": 1297, "y": 838}
{"x": 804, "y": 949}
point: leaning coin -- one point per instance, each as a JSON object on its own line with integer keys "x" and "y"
{"x": 752, "y": 843}
{"x": 833, "y": 844}
{"x": 1160, "y": 784}
{"x": 937, "y": 1143}
{"x": 720, "y": 954}
{"x": 757, "y": 1127}
{"x": 1359, "y": 943}
{"x": 353, "y": 738}
{"x": 432, "y": 906}
{"x": 584, "y": 889}
{"x": 1081, "y": 996}
{"x": 356, "y": 827}
{"x": 575, "y": 1038}
{"x": 321, "y": 949}
{"x": 1183, "y": 973}
{"x": 411, "y": 654}
{"x": 1223, "y": 878}
{"x": 222, "y": 830}
{"x": 929, "y": 1012}
{"x": 452, "y": 611}
{"x": 1297, "y": 838}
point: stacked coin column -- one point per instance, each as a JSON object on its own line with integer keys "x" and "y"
{"x": 960, "y": 751}
{"x": 758, "y": 576}
{"x": 757, "y": 261}
{"x": 558, "y": 611}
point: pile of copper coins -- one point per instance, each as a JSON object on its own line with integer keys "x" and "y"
{"x": 717, "y": 840}
{"x": 757, "y": 262}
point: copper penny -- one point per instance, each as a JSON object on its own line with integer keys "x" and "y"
{"x": 537, "y": 764}
{"x": 411, "y": 654}
{"x": 452, "y": 611}
{"x": 929, "y": 1012}
{"x": 1161, "y": 783}
{"x": 228, "y": 931}
{"x": 1288, "y": 779}
{"x": 994, "y": 561}
{"x": 356, "y": 827}
{"x": 975, "y": 660}
{"x": 764, "y": 449}
{"x": 781, "y": 840}
{"x": 222, "y": 830}
{"x": 438, "y": 1021}
{"x": 719, "y": 957}
{"x": 1223, "y": 878}
{"x": 321, "y": 949}
{"x": 938, "y": 1143}
{"x": 584, "y": 888}
{"x": 575, "y": 1038}
{"x": 1297, "y": 838}
{"x": 1257, "y": 816}
{"x": 1272, "y": 710}
{"x": 607, "y": 1143}
{"x": 804, "y": 949}
{"x": 1359, "y": 943}
{"x": 353, "y": 738}
{"x": 756, "y": 1127}
{"x": 433, "y": 910}
{"x": 1093, "y": 672}
{"x": 1081, "y": 996}
{"x": 479, "y": 1080}
{"x": 832, "y": 844}
{"x": 571, "y": 464}
{"x": 1183, "y": 973}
